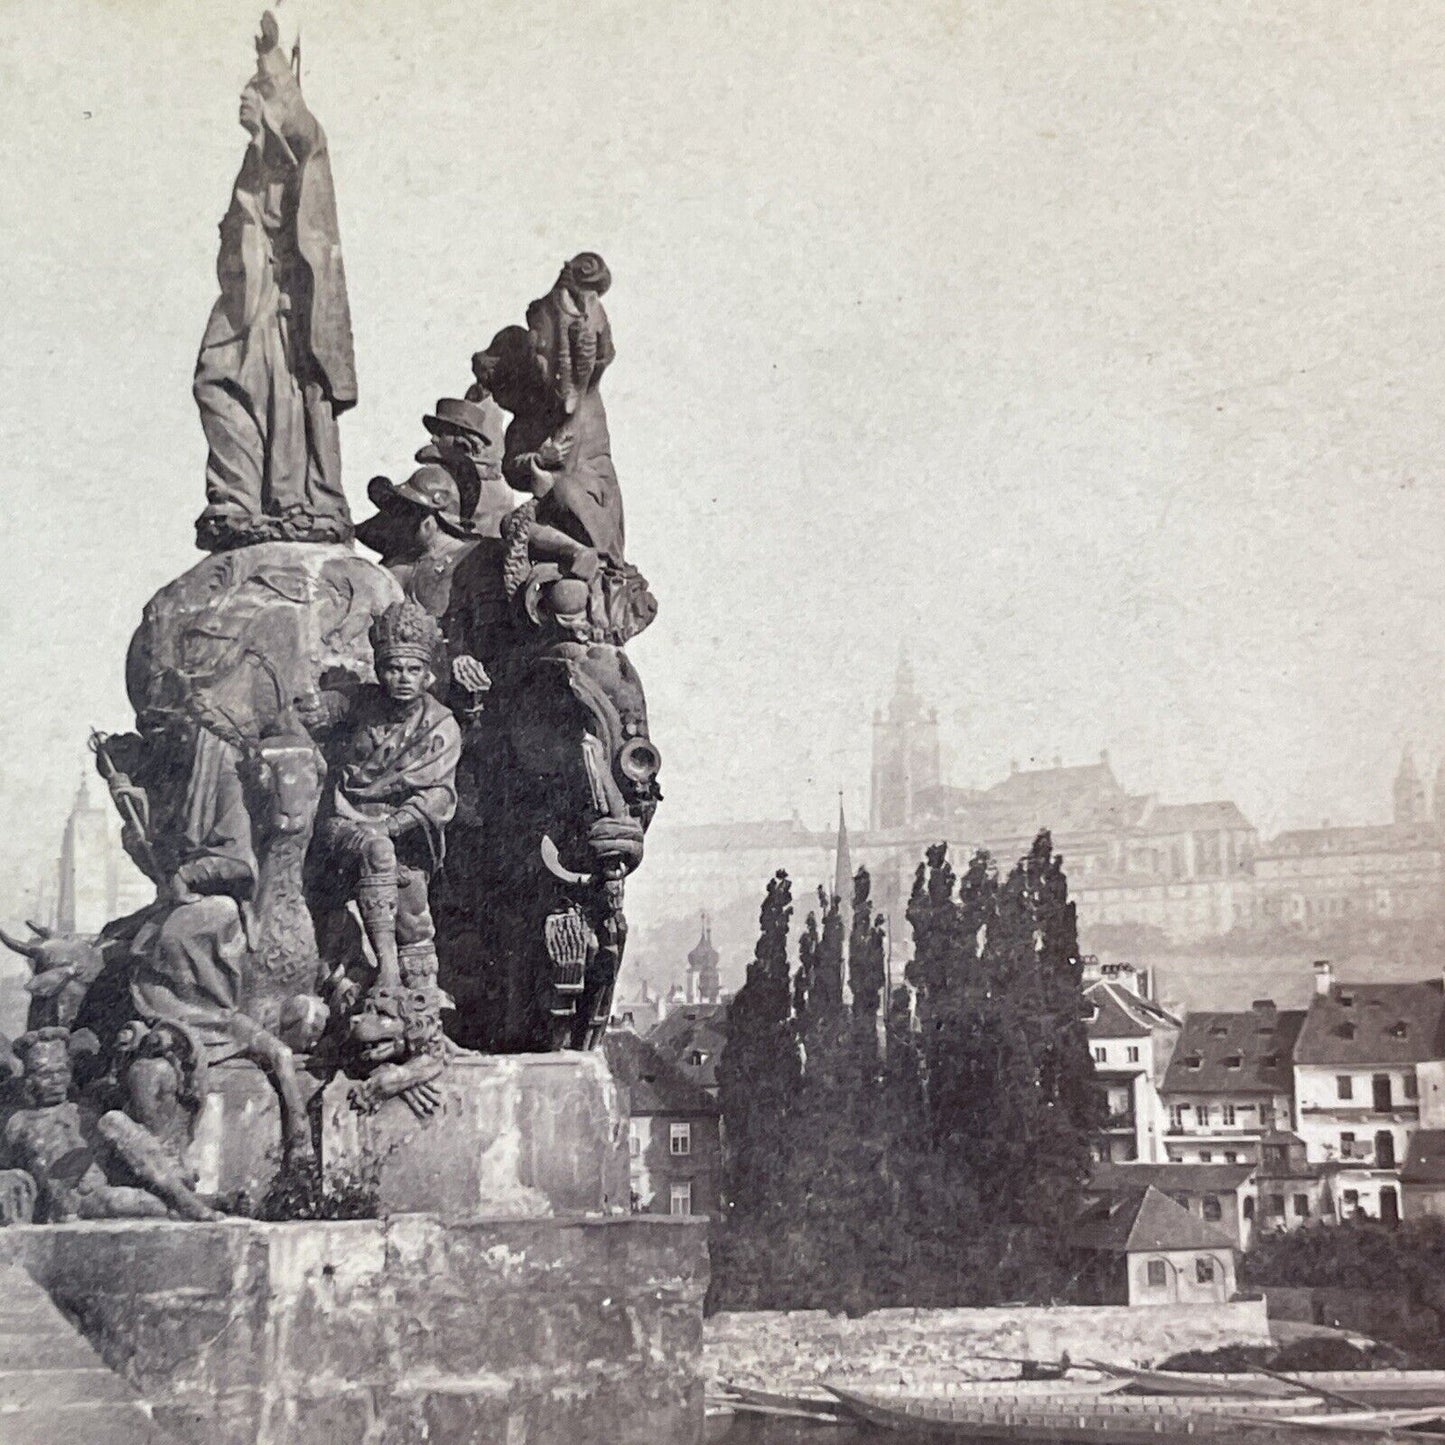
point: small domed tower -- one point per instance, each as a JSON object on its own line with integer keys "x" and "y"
{"x": 704, "y": 983}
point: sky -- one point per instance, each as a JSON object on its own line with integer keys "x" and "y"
{"x": 1091, "y": 349}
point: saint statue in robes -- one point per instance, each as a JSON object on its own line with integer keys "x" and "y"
{"x": 276, "y": 367}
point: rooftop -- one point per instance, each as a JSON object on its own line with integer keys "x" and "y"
{"x": 1171, "y": 1178}
{"x": 1369, "y": 838}
{"x": 1425, "y": 1162}
{"x": 1145, "y": 1219}
{"x": 1122, "y": 1014}
{"x": 1248, "y": 1051}
{"x": 653, "y": 1084}
{"x": 1373, "y": 1023}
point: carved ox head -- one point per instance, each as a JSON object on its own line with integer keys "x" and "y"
{"x": 287, "y": 773}
{"x": 62, "y": 968}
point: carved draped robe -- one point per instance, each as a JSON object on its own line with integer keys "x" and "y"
{"x": 276, "y": 365}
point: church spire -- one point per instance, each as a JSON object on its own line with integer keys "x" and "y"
{"x": 843, "y": 862}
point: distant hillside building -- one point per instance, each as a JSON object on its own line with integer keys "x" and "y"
{"x": 1193, "y": 871}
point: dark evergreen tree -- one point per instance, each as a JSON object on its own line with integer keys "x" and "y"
{"x": 758, "y": 1079}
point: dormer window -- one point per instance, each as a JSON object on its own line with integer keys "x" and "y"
{"x": 1346, "y": 1031}
{"x": 1270, "y": 1061}
{"x": 1194, "y": 1062}
{"x": 1345, "y": 1000}
{"x": 1218, "y": 1031}
{"x": 1233, "y": 1061}
{"x": 1399, "y": 1030}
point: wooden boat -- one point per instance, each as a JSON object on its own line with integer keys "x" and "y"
{"x": 1117, "y": 1420}
{"x": 749, "y": 1400}
{"x": 1373, "y": 1387}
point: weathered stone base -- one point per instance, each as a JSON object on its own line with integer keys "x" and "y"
{"x": 237, "y": 1148}
{"x": 552, "y": 1332}
{"x": 516, "y": 1135}
{"x": 804, "y": 1346}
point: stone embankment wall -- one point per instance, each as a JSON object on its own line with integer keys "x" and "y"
{"x": 580, "y": 1331}
{"x": 922, "y": 1345}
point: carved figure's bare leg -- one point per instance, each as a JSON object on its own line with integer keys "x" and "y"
{"x": 278, "y": 1063}
{"x": 376, "y": 900}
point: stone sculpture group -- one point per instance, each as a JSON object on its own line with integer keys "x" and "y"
{"x": 388, "y": 807}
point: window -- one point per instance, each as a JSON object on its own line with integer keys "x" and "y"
{"x": 1352, "y": 1198}
{"x": 1234, "y": 1061}
{"x": 1412, "y": 1087}
{"x": 1194, "y": 1062}
{"x": 1380, "y": 1093}
{"x": 1133, "y": 1053}
{"x": 1219, "y": 1031}
{"x": 1344, "y": 1087}
{"x": 1270, "y": 1061}
{"x": 1230, "y": 1157}
{"x": 680, "y": 1198}
{"x": 697, "y": 1058}
{"x": 1346, "y": 1031}
{"x": 1156, "y": 1275}
{"x": 1346, "y": 1000}
{"x": 1347, "y": 1145}
{"x": 1399, "y": 1030}
{"x": 1176, "y": 1118}
{"x": 634, "y": 1139}
{"x": 1228, "y": 1112}
{"x": 679, "y": 1138}
{"x": 1101, "y": 1054}
{"x": 1274, "y": 1205}
{"x": 1213, "y": 1210}
{"x": 1302, "y": 1206}
{"x": 1248, "y": 1207}
{"x": 1201, "y": 1112}
{"x": 1206, "y": 1156}
{"x": 1204, "y": 1270}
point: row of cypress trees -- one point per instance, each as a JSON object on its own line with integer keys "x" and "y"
{"x": 926, "y": 1149}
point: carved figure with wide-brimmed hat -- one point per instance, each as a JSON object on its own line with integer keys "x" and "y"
{"x": 467, "y": 441}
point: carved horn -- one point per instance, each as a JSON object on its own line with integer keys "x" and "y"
{"x": 553, "y": 861}
{"x": 26, "y": 950}
{"x": 39, "y": 930}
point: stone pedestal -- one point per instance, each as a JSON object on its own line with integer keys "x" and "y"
{"x": 516, "y": 1136}
{"x": 237, "y": 1148}
{"x": 559, "y": 1331}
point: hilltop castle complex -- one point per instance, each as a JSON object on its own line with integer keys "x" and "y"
{"x": 1186, "y": 872}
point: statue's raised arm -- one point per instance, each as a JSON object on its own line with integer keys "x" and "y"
{"x": 276, "y": 367}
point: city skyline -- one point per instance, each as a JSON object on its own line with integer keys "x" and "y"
{"x": 1128, "y": 430}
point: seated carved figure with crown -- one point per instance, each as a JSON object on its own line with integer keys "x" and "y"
{"x": 393, "y": 753}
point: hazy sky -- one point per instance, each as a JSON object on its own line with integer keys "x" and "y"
{"x": 1093, "y": 348}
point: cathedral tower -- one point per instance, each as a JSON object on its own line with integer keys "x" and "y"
{"x": 1409, "y": 792}
{"x": 905, "y": 754}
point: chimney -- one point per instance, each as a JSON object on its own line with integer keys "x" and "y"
{"x": 1324, "y": 976}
